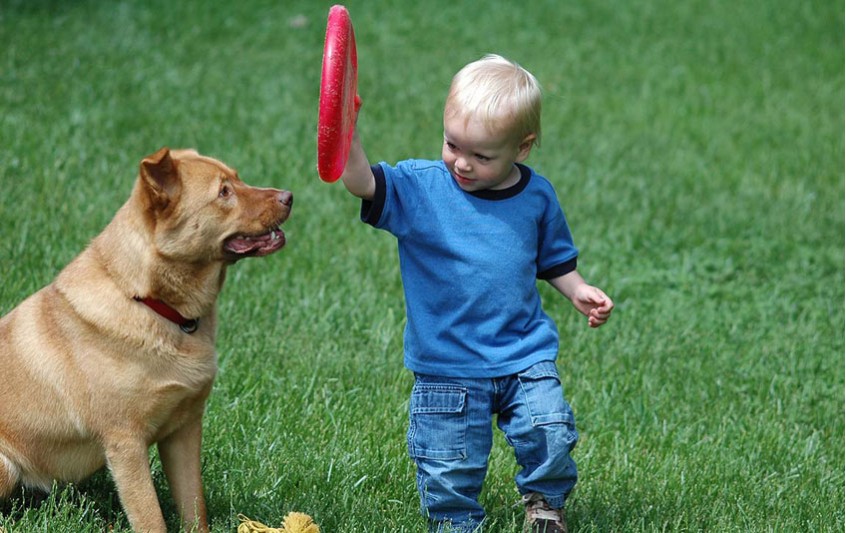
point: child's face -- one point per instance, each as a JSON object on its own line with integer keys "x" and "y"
{"x": 479, "y": 159}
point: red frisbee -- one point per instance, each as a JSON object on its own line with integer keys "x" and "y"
{"x": 338, "y": 87}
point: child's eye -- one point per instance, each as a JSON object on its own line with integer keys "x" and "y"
{"x": 482, "y": 158}
{"x": 450, "y": 146}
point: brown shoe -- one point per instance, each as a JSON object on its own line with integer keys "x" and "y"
{"x": 540, "y": 517}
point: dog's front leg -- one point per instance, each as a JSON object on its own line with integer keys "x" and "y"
{"x": 180, "y": 455}
{"x": 129, "y": 463}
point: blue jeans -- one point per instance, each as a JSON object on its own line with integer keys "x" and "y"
{"x": 450, "y": 438}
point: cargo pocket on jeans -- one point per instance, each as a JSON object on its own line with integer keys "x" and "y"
{"x": 437, "y": 422}
{"x": 544, "y": 396}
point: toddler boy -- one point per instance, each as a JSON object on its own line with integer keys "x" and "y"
{"x": 475, "y": 231}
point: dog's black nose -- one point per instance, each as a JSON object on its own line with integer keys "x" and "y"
{"x": 285, "y": 197}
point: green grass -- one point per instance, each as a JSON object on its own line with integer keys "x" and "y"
{"x": 697, "y": 148}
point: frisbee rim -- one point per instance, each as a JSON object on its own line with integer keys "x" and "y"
{"x": 338, "y": 88}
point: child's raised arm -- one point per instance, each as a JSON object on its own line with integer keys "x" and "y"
{"x": 357, "y": 176}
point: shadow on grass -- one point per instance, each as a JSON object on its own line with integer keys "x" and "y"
{"x": 93, "y": 501}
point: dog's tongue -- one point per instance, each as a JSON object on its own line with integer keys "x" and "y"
{"x": 260, "y": 245}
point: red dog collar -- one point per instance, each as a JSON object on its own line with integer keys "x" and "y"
{"x": 188, "y": 325}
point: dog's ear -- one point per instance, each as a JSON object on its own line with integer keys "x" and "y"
{"x": 160, "y": 179}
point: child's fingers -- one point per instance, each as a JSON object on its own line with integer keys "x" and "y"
{"x": 595, "y": 304}
{"x": 599, "y": 315}
{"x": 605, "y": 303}
{"x": 603, "y": 298}
{"x": 594, "y": 295}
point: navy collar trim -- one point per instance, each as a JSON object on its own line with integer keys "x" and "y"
{"x": 511, "y": 192}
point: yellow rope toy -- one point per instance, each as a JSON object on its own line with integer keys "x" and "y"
{"x": 292, "y": 523}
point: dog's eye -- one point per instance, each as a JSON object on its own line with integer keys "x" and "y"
{"x": 224, "y": 192}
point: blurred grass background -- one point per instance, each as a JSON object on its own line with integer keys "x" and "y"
{"x": 697, "y": 148}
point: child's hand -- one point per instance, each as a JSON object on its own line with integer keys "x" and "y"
{"x": 593, "y": 303}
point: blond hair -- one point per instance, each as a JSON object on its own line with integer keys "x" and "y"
{"x": 500, "y": 94}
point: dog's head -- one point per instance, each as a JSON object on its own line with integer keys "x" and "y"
{"x": 199, "y": 210}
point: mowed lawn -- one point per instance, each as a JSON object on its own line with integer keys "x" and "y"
{"x": 698, "y": 151}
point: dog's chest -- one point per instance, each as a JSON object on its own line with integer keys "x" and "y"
{"x": 180, "y": 381}
{"x": 154, "y": 386}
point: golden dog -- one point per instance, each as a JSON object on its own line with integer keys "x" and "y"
{"x": 118, "y": 352}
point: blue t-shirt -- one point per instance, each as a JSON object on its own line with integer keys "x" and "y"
{"x": 469, "y": 264}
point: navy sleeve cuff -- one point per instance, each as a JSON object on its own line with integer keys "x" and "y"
{"x": 558, "y": 270}
{"x": 371, "y": 210}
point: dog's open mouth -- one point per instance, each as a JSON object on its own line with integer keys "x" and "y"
{"x": 255, "y": 245}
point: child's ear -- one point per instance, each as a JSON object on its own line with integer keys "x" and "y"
{"x": 525, "y": 147}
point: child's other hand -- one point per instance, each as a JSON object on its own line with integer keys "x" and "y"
{"x": 593, "y": 303}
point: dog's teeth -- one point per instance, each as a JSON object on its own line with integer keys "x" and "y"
{"x": 274, "y": 236}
